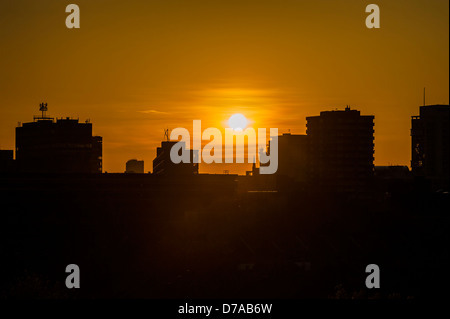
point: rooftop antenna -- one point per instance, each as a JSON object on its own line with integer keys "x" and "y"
{"x": 166, "y": 134}
{"x": 43, "y": 108}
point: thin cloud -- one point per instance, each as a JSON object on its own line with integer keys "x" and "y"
{"x": 153, "y": 111}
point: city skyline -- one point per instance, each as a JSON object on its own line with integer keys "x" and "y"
{"x": 204, "y": 168}
{"x": 138, "y": 68}
{"x": 216, "y": 153}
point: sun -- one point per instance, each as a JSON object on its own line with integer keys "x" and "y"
{"x": 237, "y": 122}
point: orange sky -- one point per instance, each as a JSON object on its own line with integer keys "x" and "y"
{"x": 137, "y": 67}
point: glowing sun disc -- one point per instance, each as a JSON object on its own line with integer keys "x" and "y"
{"x": 237, "y": 122}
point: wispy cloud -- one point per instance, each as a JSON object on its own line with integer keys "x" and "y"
{"x": 153, "y": 111}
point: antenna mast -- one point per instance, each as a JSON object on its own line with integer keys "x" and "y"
{"x": 43, "y": 108}
{"x": 166, "y": 134}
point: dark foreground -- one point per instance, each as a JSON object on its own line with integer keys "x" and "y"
{"x": 140, "y": 236}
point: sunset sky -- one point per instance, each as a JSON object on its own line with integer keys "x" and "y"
{"x": 135, "y": 67}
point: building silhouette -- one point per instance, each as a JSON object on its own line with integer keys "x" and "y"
{"x": 6, "y": 161}
{"x": 293, "y": 156}
{"x": 63, "y": 145}
{"x": 97, "y": 154}
{"x": 341, "y": 150}
{"x": 430, "y": 144}
{"x": 134, "y": 166}
{"x": 392, "y": 171}
{"x": 163, "y": 165}
{"x": 336, "y": 154}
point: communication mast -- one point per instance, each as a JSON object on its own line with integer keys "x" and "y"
{"x": 166, "y": 134}
{"x": 43, "y": 108}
